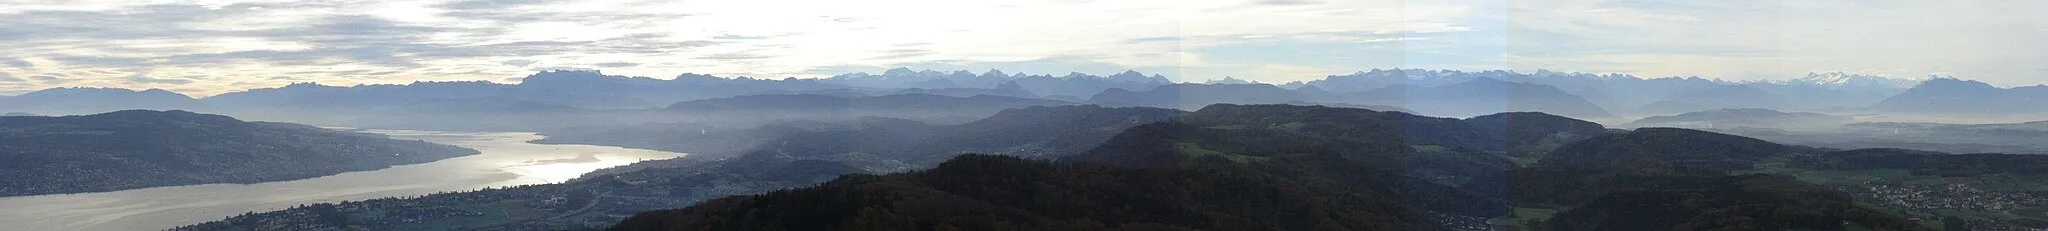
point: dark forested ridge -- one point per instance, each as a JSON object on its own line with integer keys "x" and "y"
{"x": 1745, "y": 202}
{"x": 1341, "y": 169}
{"x": 1409, "y": 172}
{"x": 137, "y": 149}
{"x": 1678, "y": 179}
{"x": 979, "y": 192}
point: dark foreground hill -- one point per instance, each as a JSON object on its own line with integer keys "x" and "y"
{"x": 1309, "y": 167}
{"x": 1225, "y": 167}
{"x": 1678, "y": 179}
{"x": 138, "y": 149}
{"x": 977, "y": 192}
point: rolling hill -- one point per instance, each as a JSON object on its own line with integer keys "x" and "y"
{"x": 138, "y": 149}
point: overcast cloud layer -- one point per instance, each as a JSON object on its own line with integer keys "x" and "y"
{"x": 210, "y": 47}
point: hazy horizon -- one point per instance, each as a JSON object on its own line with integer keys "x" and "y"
{"x": 879, "y": 71}
{"x": 209, "y": 47}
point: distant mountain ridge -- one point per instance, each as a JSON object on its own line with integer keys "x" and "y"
{"x": 1847, "y": 80}
{"x": 1074, "y": 84}
{"x": 86, "y": 100}
{"x": 1624, "y": 94}
{"x": 921, "y": 107}
{"x": 590, "y": 89}
{"x": 1617, "y": 94}
{"x": 1956, "y": 96}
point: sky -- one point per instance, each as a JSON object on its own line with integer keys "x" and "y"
{"x": 214, "y": 46}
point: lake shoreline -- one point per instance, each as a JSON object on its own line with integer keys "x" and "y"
{"x": 505, "y": 160}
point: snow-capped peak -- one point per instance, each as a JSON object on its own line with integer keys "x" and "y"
{"x": 1230, "y": 80}
{"x": 1840, "y": 79}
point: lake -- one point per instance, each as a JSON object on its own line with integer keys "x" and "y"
{"x": 507, "y": 160}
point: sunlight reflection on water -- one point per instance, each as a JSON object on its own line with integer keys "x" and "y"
{"x": 506, "y": 160}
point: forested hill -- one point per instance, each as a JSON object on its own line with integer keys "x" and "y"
{"x": 1225, "y": 167}
{"x": 140, "y": 148}
{"x": 1277, "y": 167}
{"x": 980, "y": 192}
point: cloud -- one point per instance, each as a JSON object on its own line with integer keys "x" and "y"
{"x": 617, "y": 64}
{"x": 18, "y": 63}
{"x": 375, "y": 41}
{"x": 563, "y": 69}
{"x": 150, "y": 80}
{"x": 9, "y": 78}
{"x": 1154, "y": 39}
{"x": 519, "y": 62}
{"x": 1287, "y": 2}
{"x": 902, "y": 54}
{"x": 50, "y": 79}
{"x": 739, "y": 37}
{"x": 100, "y": 61}
{"x": 734, "y": 56}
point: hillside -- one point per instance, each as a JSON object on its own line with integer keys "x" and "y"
{"x": 1341, "y": 159}
{"x": 138, "y": 149}
{"x": 978, "y": 192}
{"x": 1613, "y": 181}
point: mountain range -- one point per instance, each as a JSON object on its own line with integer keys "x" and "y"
{"x": 922, "y": 107}
{"x": 1956, "y": 96}
{"x": 1617, "y": 94}
{"x": 67, "y": 101}
{"x": 1072, "y": 85}
{"x": 1839, "y": 80}
{"x": 1625, "y": 93}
